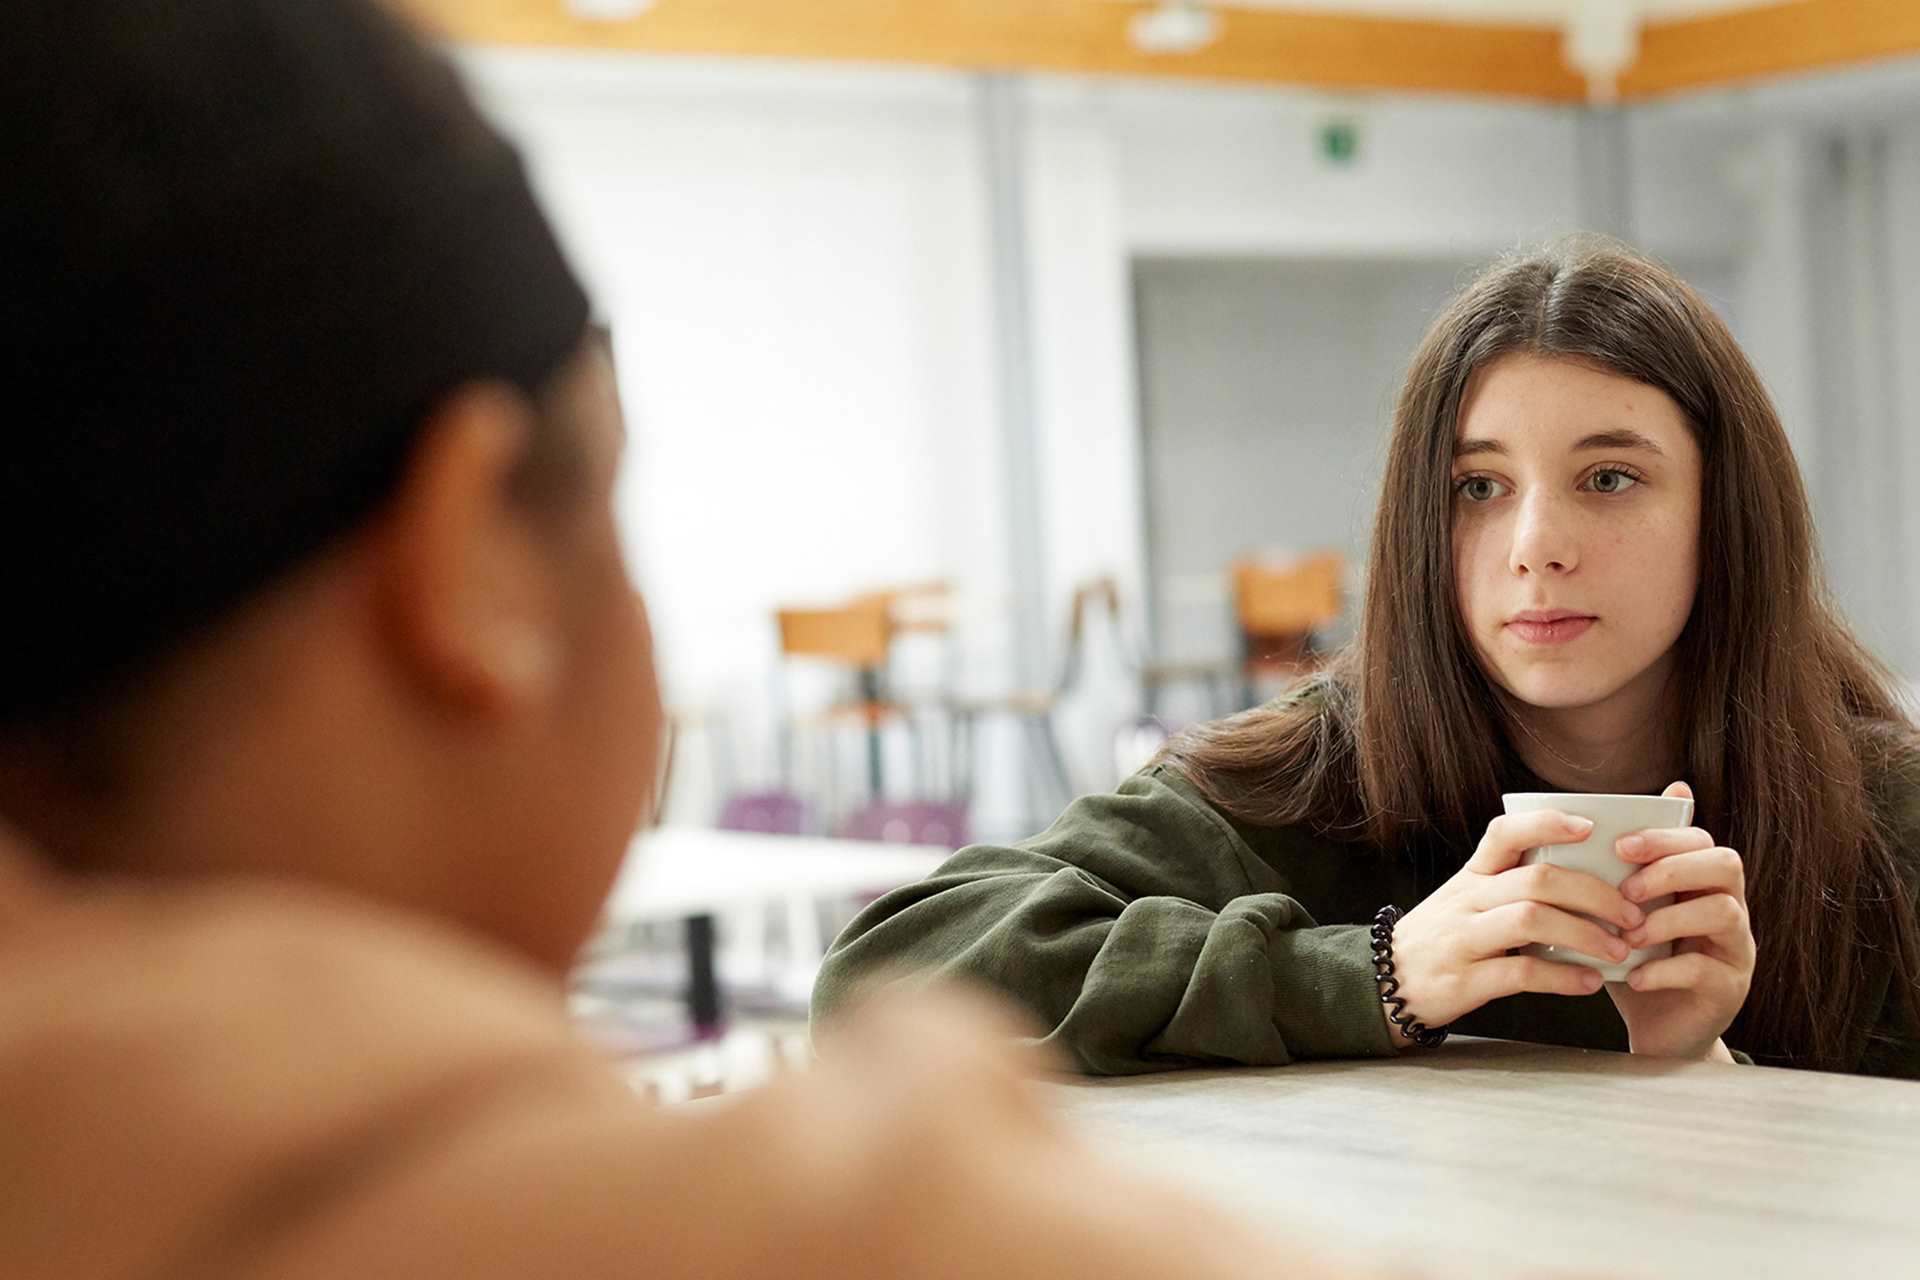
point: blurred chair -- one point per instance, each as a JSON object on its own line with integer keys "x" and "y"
{"x": 685, "y": 728}
{"x": 924, "y": 822}
{"x": 857, "y": 638}
{"x": 1281, "y": 610}
{"x": 1220, "y": 683}
{"x": 745, "y": 929}
{"x": 1216, "y": 680}
{"x": 1033, "y": 710}
{"x": 916, "y": 606}
{"x": 1136, "y": 743}
{"x": 772, "y": 812}
{"x": 945, "y": 824}
{"x": 856, "y": 634}
{"x": 918, "y": 612}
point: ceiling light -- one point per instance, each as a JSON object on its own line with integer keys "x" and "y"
{"x": 608, "y": 10}
{"x": 1175, "y": 26}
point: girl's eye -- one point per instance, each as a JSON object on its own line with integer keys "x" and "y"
{"x": 1477, "y": 488}
{"x": 1612, "y": 480}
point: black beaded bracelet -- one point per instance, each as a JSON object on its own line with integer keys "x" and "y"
{"x": 1415, "y": 1030}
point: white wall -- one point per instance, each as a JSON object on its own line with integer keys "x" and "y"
{"x": 793, "y": 264}
{"x": 791, "y": 269}
{"x": 1208, "y": 170}
{"x": 1903, "y": 318}
{"x": 1268, "y": 392}
{"x": 1813, "y": 187}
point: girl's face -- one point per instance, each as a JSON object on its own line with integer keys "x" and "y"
{"x": 1576, "y": 528}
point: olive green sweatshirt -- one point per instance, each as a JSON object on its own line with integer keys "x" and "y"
{"x": 1146, "y": 931}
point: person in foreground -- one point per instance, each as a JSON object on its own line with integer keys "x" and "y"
{"x": 1592, "y": 570}
{"x": 328, "y": 711}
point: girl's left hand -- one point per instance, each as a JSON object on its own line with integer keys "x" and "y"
{"x": 1679, "y": 1006}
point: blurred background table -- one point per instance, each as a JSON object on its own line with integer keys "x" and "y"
{"x": 1488, "y": 1158}
{"x": 673, "y": 872}
{"x": 693, "y": 874}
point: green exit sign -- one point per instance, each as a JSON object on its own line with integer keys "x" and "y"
{"x": 1340, "y": 142}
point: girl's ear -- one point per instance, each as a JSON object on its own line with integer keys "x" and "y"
{"x": 466, "y": 595}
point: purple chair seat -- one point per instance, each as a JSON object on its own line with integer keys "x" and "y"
{"x": 923, "y": 822}
{"x": 774, "y": 812}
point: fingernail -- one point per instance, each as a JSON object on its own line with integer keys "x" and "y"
{"x": 1582, "y": 825}
{"x": 1637, "y": 937}
{"x": 1631, "y": 889}
{"x": 1617, "y": 950}
{"x": 1632, "y": 915}
{"x": 1630, "y": 845}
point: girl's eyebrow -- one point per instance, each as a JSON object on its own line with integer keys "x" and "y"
{"x": 1617, "y": 439}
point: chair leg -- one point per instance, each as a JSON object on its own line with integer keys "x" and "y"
{"x": 1033, "y": 789}
{"x": 1046, "y": 743}
{"x": 871, "y": 694}
{"x": 918, "y": 753}
{"x": 743, "y": 938}
{"x": 960, "y": 730}
{"x": 706, "y": 1005}
{"x": 805, "y": 945}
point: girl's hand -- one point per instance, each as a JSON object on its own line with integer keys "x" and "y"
{"x": 1678, "y": 1007}
{"x": 1450, "y": 953}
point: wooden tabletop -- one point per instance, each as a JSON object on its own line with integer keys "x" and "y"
{"x": 1488, "y": 1158}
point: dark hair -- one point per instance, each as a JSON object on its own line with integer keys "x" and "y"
{"x": 1403, "y": 742}
{"x": 87, "y": 744}
{"x": 252, "y": 244}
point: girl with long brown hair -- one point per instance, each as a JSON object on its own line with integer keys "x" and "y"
{"x": 1593, "y": 570}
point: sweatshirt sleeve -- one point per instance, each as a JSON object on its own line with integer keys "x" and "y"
{"x": 1134, "y": 930}
{"x": 1888, "y": 1043}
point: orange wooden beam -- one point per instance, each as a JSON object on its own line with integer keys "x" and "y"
{"x": 1324, "y": 50}
{"x": 1777, "y": 39}
{"x": 1310, "y": 48}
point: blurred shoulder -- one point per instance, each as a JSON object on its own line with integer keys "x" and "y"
{"x": 179, "y": 1064}
{"x": 267, "y": 954}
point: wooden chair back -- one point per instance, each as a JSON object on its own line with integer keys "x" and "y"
{"x": 916, "y": 606}
{"x": 1274, "y": 600}
{"x": 1280, "y": 606}
{"x": 856, "y": 635}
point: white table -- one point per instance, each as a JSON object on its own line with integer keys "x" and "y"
{"x": 693, "y": 874}
{"x": 1486, "y": 1158}
{"x": 674, "y": 872}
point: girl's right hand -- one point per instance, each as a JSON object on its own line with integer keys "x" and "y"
{"x": 1452, "y": 952}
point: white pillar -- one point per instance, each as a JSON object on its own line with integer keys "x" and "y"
{"x": 1869, "y": 489}
{"x": 1777, "y": 289}
{"x": 1605, "y": 172}
{"x": 1901, "y": 274}
{"x": 1003, "y": 143}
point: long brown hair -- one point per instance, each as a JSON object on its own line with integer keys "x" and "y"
{"x": 1790, "y": 727}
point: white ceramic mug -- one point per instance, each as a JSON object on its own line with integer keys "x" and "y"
{"x": 1612, "y": 818}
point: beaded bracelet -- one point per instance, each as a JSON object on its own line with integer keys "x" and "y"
{"x": 1415, "y": 1030}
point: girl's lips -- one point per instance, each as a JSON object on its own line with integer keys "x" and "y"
{"x": 1549, "y": 633}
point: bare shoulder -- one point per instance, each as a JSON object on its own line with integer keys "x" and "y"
{"x": 181, "y": 1063}
{"x": 284, "y": 961}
